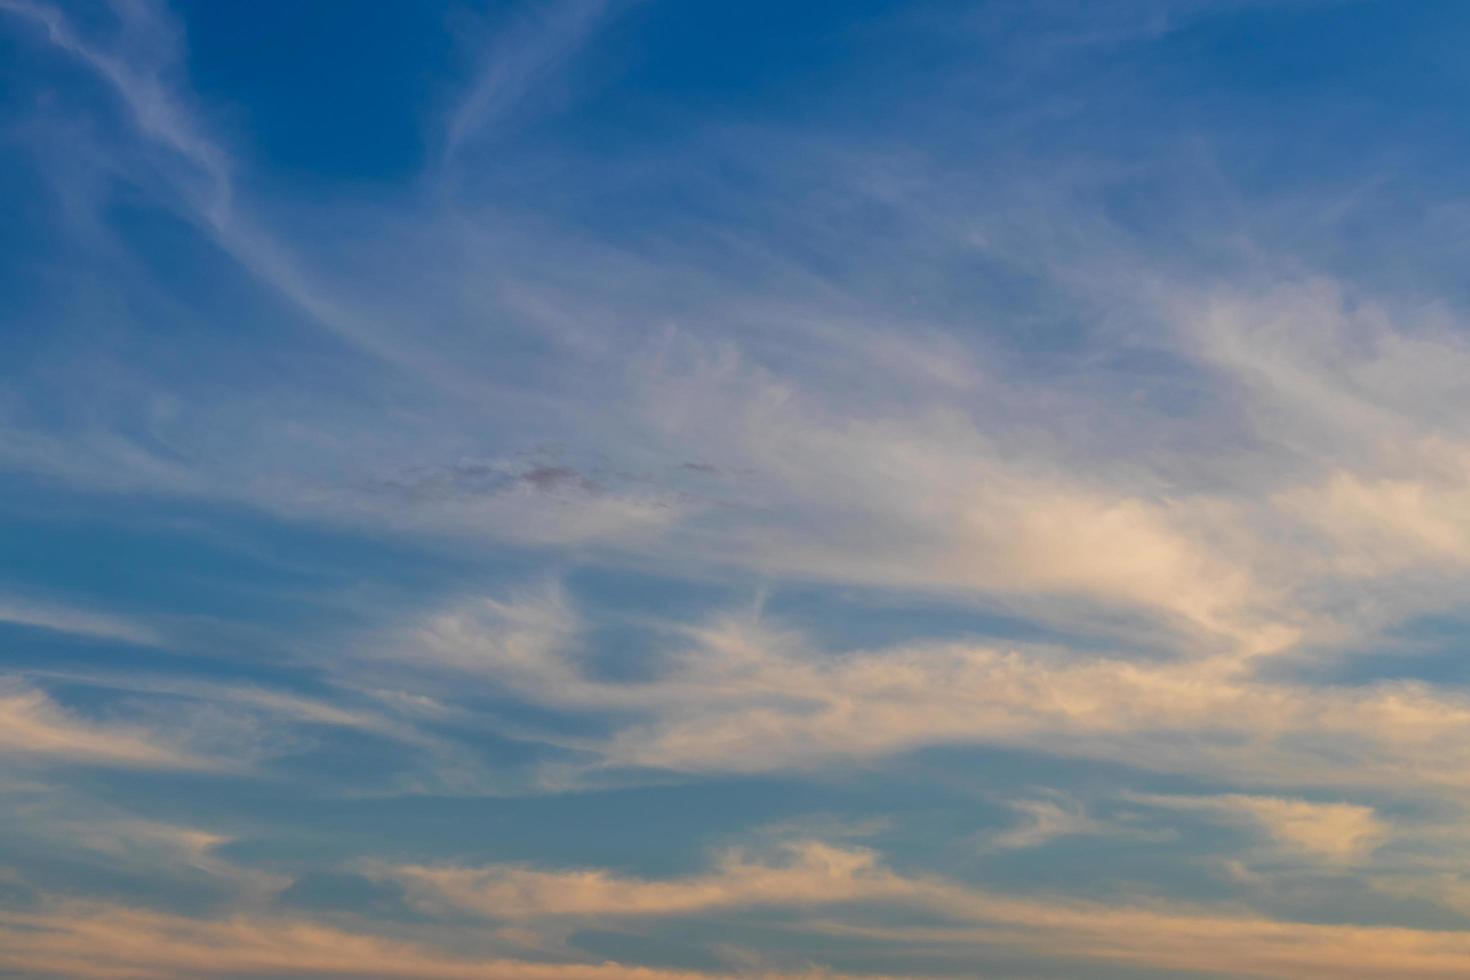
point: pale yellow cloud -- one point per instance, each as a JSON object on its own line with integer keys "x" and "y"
{"x": 1361, "y": 415}
{"x": 1335, "y": 832}
{"x": 1381, "y": 524}
{"x": 807, "y": 877}
{"x": 163, "y": 849}
{"x": 34, "y": 726}
{"x": 1338, "y": 463}
{"x": 922, "y": 497}
{"x": 742, "y": 696}
{"x": 812, "y": 879}
{"x": 1185, "y": 943}
{"x": 95, "y": 940}
{"x": 1043, "y": 820}
{"x": 803, "y": 873}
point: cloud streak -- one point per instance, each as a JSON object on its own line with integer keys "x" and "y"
{"x": 1334, "y": 832}
{"x": 35, "y": 727}
{"x": 739, "y": 696}
{"x": 103, "y": 941}
{"x": 812, "y": 875}
{"x": 522, "y": 58}
{"x": 78, "y": 622}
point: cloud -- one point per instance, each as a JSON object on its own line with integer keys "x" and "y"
{"x": 97, "y": 940}
{"x": 1340, "y": 833}
{"x": 807, "y": 353}
{"x": 804, "y": 877}
{"x": 1351, "y": 396}
{"x": 924, "y": 498}
{"x": 79, "y": 622}
{"x": 958, "y": 478}
{"x": 742, "y": 696}
{"x": 234, "y": 728}
{"x": 1046, "y": 820}
{"x": 144, "y": 70}
{"x": 516, "y": 63}
{"x": 92, "y": 939}
{"x": 521, "y": 639}
{"x": 1186, "y": 943}
{"x": 140, "y": 82}
{"x": 158, "y": 848}
{"x": 804, "y": 873}
{"x": 35, "y": 727}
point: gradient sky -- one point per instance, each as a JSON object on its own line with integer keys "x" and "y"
{"x": 659, "y": 490}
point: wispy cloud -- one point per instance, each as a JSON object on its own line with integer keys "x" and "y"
{"x": 80, "y": 622}
{"x": 36, "y": 727}
{"x": 812, "y": 875}
{"x": 1335, "y": 832}
{"x": 805, "y": 873}
{"x": 144, "y": 76}
{"x": 522, "y": 57}
{"x": 1044, "y": 820}
{"x": 747, "y": 697}
{"x": 82, "y": 939}
{"x": 140, "y": 84}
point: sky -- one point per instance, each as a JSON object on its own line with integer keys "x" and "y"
{"x": 641, "y": 490}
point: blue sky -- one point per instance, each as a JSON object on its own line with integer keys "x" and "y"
{"x": 605, "y": 489}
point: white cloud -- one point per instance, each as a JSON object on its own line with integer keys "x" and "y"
{"x": 523, "y": 59}
{"x": 141, "y": 72}
{"x": 158, "y": 848}
{"x": 81, "y": 622}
